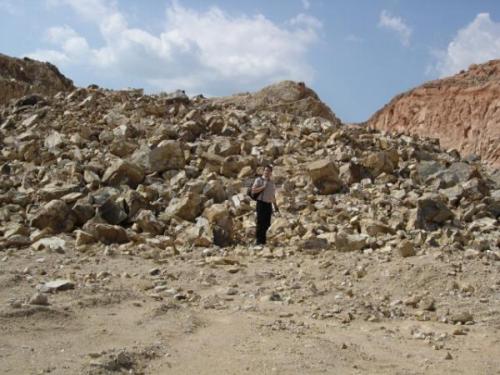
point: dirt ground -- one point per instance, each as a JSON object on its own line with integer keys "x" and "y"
{"x": 247, "y": 311}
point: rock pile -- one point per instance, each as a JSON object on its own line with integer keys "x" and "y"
{"x": 171, "y": 171}
{"x": 460, "y": 110}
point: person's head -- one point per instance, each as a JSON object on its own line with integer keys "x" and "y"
{"x": 268, "y": 171}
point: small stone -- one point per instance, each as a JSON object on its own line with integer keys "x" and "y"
{"x": 154, "y": 271}
{"x": 471, "y": 254}
{"x": 461, "y": 317}
{"x": 39, "y": 299}
{"x": 56, "y": 285}
{"x": 428, "y": 304}
{"x": 406, "y": 249}
{"x": 459, "y": 332}
{"x": 448, "y": 356}
{"x": 180, "y": 297}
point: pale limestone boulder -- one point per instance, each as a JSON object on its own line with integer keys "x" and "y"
{"x": 221, "y": 223}
{"x": 187, "y": 208}
{"x": 350, "y": 242}
{"x": 381, "y": 162}
{"x": 84, "y": 238}
{"x": 123, "y": 172}
{"x": 199, "y": 234}
{"x": 167, "y": 155}
{"x": 325, "y": 176}
{"x": 231, "y": 166}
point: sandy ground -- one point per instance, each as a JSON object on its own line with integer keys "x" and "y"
{"x": 242, "y": 311}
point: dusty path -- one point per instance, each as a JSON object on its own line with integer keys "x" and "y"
{"x": 241, "y": 313}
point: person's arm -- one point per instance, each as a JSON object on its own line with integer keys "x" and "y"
{"x": 276, "y": 208}
{"x": 257, "y": 188}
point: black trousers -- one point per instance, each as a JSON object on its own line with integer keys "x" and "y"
{"x": 264, "y": 212}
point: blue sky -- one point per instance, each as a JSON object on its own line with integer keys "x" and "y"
{"x": 355, "y": 54}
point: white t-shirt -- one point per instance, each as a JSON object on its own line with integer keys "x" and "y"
{"x": 269, "y": 193}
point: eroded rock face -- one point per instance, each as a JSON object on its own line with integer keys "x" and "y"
{"x": 460, "y": 110}
{"x": 22, "y": 77}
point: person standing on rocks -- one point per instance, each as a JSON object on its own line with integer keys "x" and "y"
{"x": 266, "y": 199}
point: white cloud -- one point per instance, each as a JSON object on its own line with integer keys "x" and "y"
{"x": 478, "y": 42}
{"x": 306, "y": 4}
{"x": 209, "y": 51}
{"x": 394, "y": 23}
{"x": 73, "y": 47}
{"x": 55, "y": 57}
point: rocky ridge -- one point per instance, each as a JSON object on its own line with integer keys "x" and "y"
{"x": 461, "y": 111}
{"x": 20, "y": 77}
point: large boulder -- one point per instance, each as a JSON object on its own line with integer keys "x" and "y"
{"x": 147, "y": 221}
{"x": 352, "y": 172}
{"x": 214, "y": 189}
{"x": 83, "y": 211}
{"x": 56, "y": 190}
{"x": 221, "y": 223}
{"x": 431, "y": 212}
{"x": 457, "y": 173}
{"x": 113, "y": 211}
{"x": 123, "y": 172}
{"x": 55, "y": 215}
{"x": 231, "y": 166}
{"x": 325, "y": 176}
{"x": 381, "y": 162}
{"x": 188, "y": 207}
{"x": 106, "y": 233}
{"x": 167, "y": 155}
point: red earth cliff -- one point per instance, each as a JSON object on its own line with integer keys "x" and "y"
{"x": 462, "y": 111}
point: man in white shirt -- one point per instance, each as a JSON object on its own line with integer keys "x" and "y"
{"x": 266, "y": 199}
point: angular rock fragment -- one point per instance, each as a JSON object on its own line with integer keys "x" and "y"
{"x": 55, "y": 215}
{"x": 57, "y": 285}
{"x": 147, "y": 221}
{"x": 325, "y": 176}
{"x": 221, "y": 224}
{"x": 123, "y": 172}
{"x": 107, "y": 233}
{"x": 430, "y": 213}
